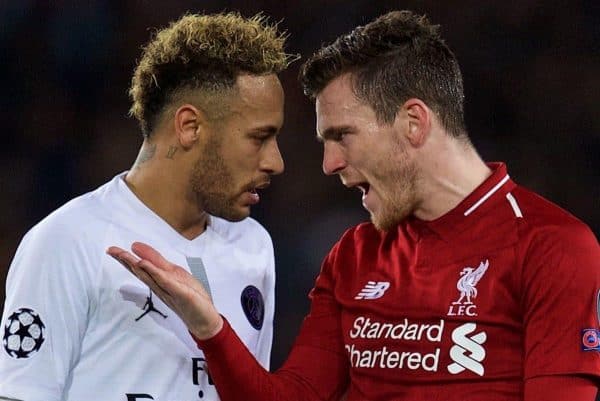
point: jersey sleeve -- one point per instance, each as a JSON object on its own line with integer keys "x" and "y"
{"x": 44, "y": 316}
{"x": 265, "y": 340}
{"x": 560, "y": 388}
{"x": 316, "y": 369}
{"x": 561, "y": 284}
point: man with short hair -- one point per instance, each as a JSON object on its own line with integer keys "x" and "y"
{"x": 74, "y": 327}
{"x": 465, "y": 286}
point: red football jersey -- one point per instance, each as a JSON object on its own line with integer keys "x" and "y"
{"x": 503, "y": 288}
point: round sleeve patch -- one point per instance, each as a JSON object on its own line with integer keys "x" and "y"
{"x": 253, "y": 306}
{"x": 23, "y": 333}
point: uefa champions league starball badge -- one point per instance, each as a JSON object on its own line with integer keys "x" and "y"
{"x": 23, "y": 333}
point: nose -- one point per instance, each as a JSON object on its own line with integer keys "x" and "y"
{"x": 272, "y": 162}
{"x": 333, "y": 158}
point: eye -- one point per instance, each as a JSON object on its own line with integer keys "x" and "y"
{"x": 339, "y": 136}
{"x": 260, "y": 138}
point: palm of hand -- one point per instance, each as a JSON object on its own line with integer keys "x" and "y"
{"x": 177, "y": 288}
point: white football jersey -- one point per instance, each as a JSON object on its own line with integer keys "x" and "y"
{"x": 78, "y": 326}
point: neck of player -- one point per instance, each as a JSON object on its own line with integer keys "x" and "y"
{"x": 450, "y": 169}
{"x": 162, "y": 182}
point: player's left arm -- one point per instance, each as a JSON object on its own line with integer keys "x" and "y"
{"x": 561, "y": 388}
{"x": 560, "y": 301}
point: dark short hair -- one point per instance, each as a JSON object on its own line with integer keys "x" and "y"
{"x": 205, "y": 52}
{"x": 396, "y": 57}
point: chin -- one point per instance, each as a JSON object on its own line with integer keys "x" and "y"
{"x": 240, "y": 213}
{"x": 388, "y": 222}
{"x": 235, "y": 215}
{"x": 383, "y": 226}
{"x": 229, "y": 213}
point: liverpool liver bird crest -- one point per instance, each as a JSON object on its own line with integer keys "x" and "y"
{"x": 466, "y": 284}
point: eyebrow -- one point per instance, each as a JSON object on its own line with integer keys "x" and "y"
{"x": 333, "y": 132}
{"x": 269, "y": 129}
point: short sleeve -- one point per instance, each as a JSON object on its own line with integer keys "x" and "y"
{"x": 561, "y": 284}
{"x": 45, "y": 315}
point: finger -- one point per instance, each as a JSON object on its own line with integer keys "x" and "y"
{"x": 131, "y": 262}
{"x": 150, "y": 281}
{"x": 176, "y": 278}
{"x": 165, "y": 280}
{"x": 157, "y": 262}
{"x": 176, "y": 283}
{"x": 114, "y": 250}
{"x": 145, "y": 251}
{"x": 123, "y": 257}
{"x": 165, "y": 286}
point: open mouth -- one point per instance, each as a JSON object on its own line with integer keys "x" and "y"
{"x": 257, "y": 186}
{"x": 253, "y": 191}
{"x": 364, "y": 188}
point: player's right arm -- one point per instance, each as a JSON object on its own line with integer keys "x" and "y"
{"x": 316, "y": 369}
{"x": 45, "y": 315}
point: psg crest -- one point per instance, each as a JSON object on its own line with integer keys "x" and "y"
{"x": 253, "y": 306}
{"x": 23, "y": 333}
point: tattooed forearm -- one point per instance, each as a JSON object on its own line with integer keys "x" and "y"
{"x": 171, "y": 152}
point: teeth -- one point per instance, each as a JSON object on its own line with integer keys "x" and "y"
{"x": 364, "y": 188}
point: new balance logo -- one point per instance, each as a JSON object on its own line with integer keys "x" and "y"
{"x": 468, "y": 352}
{"x": 373, "y": 290}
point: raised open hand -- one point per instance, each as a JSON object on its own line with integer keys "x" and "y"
{"x": 174, "y": 285}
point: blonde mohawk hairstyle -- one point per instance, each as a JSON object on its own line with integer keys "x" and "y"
{"x": 204, "y": 52}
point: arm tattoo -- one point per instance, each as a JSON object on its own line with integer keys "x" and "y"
{"x": 171, "y": 152}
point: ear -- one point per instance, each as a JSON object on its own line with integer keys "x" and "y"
{"x": 189, "y": 124}
{"x": 419, "y": 121}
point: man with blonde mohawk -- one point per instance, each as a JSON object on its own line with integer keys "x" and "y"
{"x": 75, "y": 327}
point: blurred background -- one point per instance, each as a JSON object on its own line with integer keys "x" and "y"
{"x": 532, "y": 80}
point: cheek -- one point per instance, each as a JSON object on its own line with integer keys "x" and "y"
{"x": 239, "y": 168}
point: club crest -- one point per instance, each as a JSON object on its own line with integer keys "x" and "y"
{"x": 467, "y": 287}
{"x": 253, "y": 306}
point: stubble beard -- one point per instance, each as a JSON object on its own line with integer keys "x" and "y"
{"x": 212, "y": 184}
{"x": 400, "y": 200}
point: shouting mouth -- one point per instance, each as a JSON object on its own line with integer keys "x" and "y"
{"x": 364, "y": 188}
